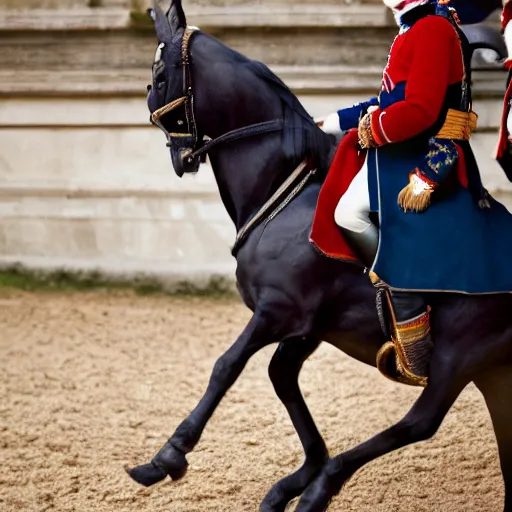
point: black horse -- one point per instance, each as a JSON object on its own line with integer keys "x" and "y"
{"x": 298, "y": 297}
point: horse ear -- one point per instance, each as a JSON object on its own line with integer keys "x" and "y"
{"x": 162, "y": 27}
{"x": 176, "y": 16}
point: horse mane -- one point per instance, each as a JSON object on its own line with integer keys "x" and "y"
{"x": 302, "y": 137}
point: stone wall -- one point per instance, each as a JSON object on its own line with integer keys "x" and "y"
{"x": 85, "y": 181}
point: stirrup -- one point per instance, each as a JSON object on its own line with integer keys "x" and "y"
{"x": 405, "y": 359}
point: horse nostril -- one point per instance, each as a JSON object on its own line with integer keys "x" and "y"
{"x": 149, "y": 87}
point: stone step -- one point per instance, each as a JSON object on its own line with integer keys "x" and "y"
{"x": 59, "y": 19}
{"x": 123, "y": 14}
{"x": 112, "y": 50}
{"x": 131, "y": 112}
{"x": 141, "y": 5}
{"x": 206, "y": 17}
{"x": 132, "y": 82}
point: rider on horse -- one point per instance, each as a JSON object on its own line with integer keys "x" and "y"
{"x": 439, "y": 230}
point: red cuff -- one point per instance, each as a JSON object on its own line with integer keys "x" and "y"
{"x": 377, "y": 130}
{"x": 508, "y": 64}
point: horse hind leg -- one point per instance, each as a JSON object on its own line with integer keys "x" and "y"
{"x": 419, "y": 424}
{"x": 496, "y": 387}
{"x": 284, "y": 371}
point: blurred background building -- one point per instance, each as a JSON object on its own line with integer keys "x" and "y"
{"x": 85, "y": 181}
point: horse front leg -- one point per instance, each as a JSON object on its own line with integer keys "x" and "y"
{"x": 171, "y": 460}
{"x": 419, "y": 424}
{"x": 496, "y": 386}
{"x": 284, "y": 371}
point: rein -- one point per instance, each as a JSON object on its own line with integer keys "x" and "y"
{"x": 240, "y": 133}
{"x": 275, "y": 204}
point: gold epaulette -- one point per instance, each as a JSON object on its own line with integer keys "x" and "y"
{"x": 458, "y": 125}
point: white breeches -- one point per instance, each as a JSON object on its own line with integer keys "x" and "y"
{"x": 353, "y": 210}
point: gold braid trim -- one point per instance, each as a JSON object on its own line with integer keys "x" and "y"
{"x": 412, "y": 355}
{"x": 416, "y": 195}
{"x": 157, "y": 114}
{"x": 185, "y": 44}
{"x": 458, "y": 125}
{"x": 366, "y": 139}
{"x": 405, "y": 358}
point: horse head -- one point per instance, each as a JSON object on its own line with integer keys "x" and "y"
{"x": 170, "y": 99}
{"x": 208, "y": 89}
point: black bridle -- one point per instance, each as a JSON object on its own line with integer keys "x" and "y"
{"x": 189, "y": 143}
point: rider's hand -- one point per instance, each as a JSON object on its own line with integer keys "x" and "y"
{"x": 366, "y": 137}
{"x": 331, "y": 124}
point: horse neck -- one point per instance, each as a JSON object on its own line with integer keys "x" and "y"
{"x": 228, "y": 96}
{"x": 247, "y": 175}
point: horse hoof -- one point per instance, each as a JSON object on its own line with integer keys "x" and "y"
{"x": 147, "y": 474}
{"x": 275, "y": 501}
{"x": 172, "y": 460}
{"x": 320, "y": 492}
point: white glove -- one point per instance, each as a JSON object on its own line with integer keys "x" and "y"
{"x": 331, "y": 124}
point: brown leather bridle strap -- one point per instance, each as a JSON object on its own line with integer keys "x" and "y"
{"x": 157, "y": 114}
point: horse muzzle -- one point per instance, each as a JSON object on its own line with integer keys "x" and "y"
{"x": 182, "y": 148}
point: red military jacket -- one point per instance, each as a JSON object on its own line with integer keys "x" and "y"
{"x": 428, "y": 58}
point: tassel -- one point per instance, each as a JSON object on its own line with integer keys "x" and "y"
{"x": 416, "y": 195}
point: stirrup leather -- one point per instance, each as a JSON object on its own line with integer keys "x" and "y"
{"x": 405, "y": 359}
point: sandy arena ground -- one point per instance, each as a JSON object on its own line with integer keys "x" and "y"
{"x": 92, "y": 382}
